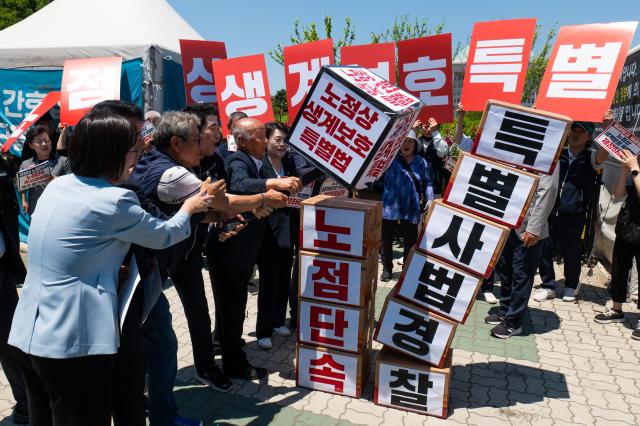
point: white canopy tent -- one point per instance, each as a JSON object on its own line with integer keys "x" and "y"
{"x": 71, "y": 29}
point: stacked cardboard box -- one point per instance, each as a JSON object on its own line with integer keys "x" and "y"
{"x": 463, "y": 238}
{"x": 339, "y": 244}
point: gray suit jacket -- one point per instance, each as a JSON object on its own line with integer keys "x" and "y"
{"x": 536, "y": 220}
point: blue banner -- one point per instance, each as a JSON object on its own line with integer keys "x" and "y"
{"x": 23, "y": 89}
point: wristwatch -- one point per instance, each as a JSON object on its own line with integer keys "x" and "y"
{"x": 635, "y": 172}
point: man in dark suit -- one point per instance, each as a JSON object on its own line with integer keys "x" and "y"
{"x": 12, "y": 272}
{"x": 231, "y": 262}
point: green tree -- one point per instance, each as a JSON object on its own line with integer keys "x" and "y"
{"x": 13, "y": 11}
{"x": 537, "y": 62}
{"x": 307, "y": 33}
{"x": 280, "y": 109}
{"x": 404, "y": 30}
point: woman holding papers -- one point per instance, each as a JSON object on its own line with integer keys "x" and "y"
{"x": 67, "y": 318}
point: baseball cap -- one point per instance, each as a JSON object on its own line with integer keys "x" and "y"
{"x": 588, "y": 126}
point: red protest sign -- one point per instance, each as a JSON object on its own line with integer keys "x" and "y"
{"x": 43, "y": 106}
{"x": 197, "y": 56}
{"x": 426, "y": 72}
{"x": 243, "y": 86}
{"x": 301, "y": 65}
{"x": 497, "y": 62}
{"x": 379, "y": 58}
{"x": 85, "y": 82}
{"x": 584, "y": 68}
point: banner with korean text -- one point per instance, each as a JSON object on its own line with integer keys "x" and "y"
{"x": 425, "y": 71}
{"x": 584, "y": 68}
{"x": 243, "y": 86}
{"x": 616, "y": 138}
{"x": 497, "y": 62}
{"x": 302, "y": 63}
{"x": 379, "y": 58}
{"x": 40, "y": 109}
{"x": 197, "y": 56}
{"x": 86, "y": 82}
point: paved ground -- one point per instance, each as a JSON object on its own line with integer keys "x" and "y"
{"x": 564, "y": 369}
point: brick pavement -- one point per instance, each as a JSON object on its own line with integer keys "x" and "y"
{"x": 564, "y": 369}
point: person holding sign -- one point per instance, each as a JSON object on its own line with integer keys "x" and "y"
{"x": 578, "y": 167}
{"x": 40, "y": 151}
{"x": 407, "y": 189}
{"x": 434, "y": 149}
{"x": 627, "y": 244}
{"x": 67, "y": 318}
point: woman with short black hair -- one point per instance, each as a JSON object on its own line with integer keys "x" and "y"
{"x": 67, "y": 318}
{"x": 37, "y": 149}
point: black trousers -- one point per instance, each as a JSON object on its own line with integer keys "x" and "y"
{"x": 12, "y": 360}
{"x": 488, "y": 283}
{"x": 515, "y": 270}
{"x": 230, "y": 295}
{"x": 129, "y": 369}
{"x": 565, "y": 234}
{"x": 293, "y": 290}
{"x": 71, "y": 391}
{"x": 623, "y": 254}
{"x": 188, "y": 281}
{"x": 275, "y": 280}
{"x": 408, "y": 232}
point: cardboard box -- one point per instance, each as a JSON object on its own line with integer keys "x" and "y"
{"x": 352, "y": 123}
{"x": 340, "y": 327}
{"x": 521, "y": 136}
{"x": 341, "y": 226}
{"x": 335, "y": 279}
{"x": 462, "y": 239}
{"x": 406, "y": 384}
{"x": 332, "y": 371}
{"x": 491, "y": 190}
{"x": 438, "y": 286}
{"x": 414, "y": 331}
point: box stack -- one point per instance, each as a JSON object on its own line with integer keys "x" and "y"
{"x": 339, "y": 244}
{"x": 461, "y": 242}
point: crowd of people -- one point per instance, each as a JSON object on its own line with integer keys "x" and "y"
{"x": 119, "y": 206}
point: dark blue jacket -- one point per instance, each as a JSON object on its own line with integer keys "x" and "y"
{"x": 144, "y": 181}
{"x": 577, "y": 183}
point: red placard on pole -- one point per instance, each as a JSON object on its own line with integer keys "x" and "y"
{"x": 425, "y": 71}
{"x": 584, "y": 68}
{"x": 243, "y": 86}
{"x": 379, "y": 58}
{"x": 497, "y": 62}
{"x": 197, "y": 56}
{"x": 302, "y": 63}
{"x": 43, "y": 106}
{"x": 85, "y": 82}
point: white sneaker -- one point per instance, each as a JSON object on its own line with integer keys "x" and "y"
{"x": 543, "y": 294}
{"x": 283, "y": 331}
{"x": 265, "y": 343}
{"x": 569, "y": 295}
{"x": 490, "y": 298}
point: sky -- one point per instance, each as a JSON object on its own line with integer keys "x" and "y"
{"x": 249, "y": 26}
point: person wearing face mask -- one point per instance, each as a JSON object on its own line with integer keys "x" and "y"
{"x": 67, "y": 318}
{"x": 407, "y": 189}
{"x": 578, "y": 168}
{"x": 38, "y": 148}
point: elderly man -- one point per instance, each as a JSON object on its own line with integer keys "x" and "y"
{"x": 165, "y": 177}
{"x": 231, "y": 262}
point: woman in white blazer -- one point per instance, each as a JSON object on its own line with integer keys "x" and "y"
{"x": 67, "y": 318}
